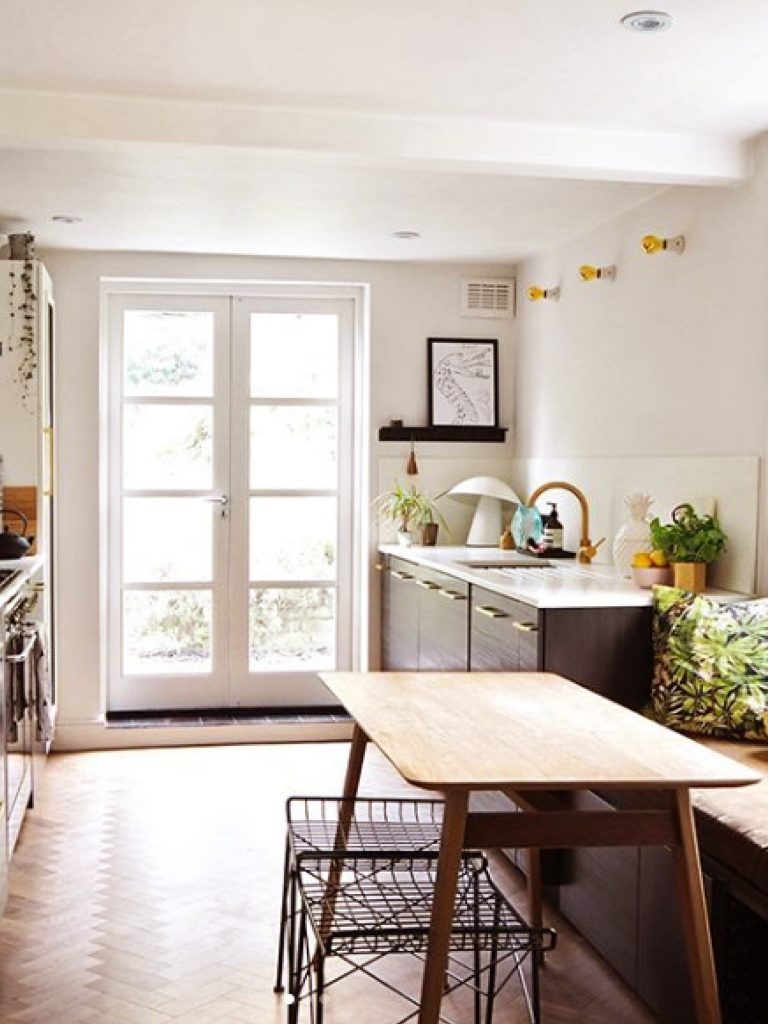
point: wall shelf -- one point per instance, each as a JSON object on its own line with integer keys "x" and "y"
{"x": 494, "y": 435}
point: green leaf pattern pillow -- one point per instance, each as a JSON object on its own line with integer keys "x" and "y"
{"x": 710, "y": 664}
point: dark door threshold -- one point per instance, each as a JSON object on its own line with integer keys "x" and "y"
{"x": 226, "y": 716}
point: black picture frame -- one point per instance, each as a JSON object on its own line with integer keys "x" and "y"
{"x": 463, "y": 382}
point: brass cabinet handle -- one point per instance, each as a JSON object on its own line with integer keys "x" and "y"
{"x": 379, "y": 566}
{"x": 525, "y": 627}
{"x": 400, "y": 575}
{"x": 452, "y": 595}
{"x": 426, "y": 584}
{"x": 490, "y": 612}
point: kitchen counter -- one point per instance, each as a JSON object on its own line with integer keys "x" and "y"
{"x": 560, "y": 583}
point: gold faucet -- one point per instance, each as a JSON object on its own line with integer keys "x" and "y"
{"x": 587, "y": 550}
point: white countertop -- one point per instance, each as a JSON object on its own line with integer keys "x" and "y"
{"x": 560, "y": 583}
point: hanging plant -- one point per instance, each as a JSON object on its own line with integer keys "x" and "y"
{"x": 21, "y": 343}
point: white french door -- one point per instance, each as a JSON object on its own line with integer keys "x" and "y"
{"x": 230, "y": 499}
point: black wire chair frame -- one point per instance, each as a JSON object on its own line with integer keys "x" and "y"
{"x": 361, "y": 912}
{"x": 379, "y": 830}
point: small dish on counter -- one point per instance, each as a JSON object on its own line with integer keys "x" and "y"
{"x": 646, "y": 578}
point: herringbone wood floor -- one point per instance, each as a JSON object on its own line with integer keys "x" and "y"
{"x": 146, "y": 885}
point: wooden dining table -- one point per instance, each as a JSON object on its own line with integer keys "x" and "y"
{"x": 535, "y": 737}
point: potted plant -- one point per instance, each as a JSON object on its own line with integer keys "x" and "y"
{"x": 408, "y": 507}
{"x": 690, "y": 542}
{"x": 428, "y": 519}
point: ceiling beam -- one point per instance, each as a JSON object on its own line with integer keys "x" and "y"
{"x": 49, "y": 120}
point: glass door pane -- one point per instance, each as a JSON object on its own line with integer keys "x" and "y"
{"x": 170, "y": 536}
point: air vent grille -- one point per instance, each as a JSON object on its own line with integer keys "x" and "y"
{"x": 488, "y": 297}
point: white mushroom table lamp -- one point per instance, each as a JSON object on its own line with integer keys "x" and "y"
{"x": 490, "y": 493}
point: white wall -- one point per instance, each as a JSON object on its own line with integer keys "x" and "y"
{"x": 672, "y": 358}
{"x": 409, "y": 302}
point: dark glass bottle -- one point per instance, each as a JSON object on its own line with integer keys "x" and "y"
{"x": 553, "y": 529}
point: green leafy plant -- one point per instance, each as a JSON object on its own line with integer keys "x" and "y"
{"x": 407, "y": 507}
{"x": 689, "y": 537}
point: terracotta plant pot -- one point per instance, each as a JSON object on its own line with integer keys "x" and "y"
{"x": 690, "y": 576}
{"x": 429, "y": 534}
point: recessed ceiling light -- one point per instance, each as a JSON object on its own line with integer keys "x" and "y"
{"x": 407, "y": 235}
{"x": 63, "y": 218}
{"x": 647, "y": 21}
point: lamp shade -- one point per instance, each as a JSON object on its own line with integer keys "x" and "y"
{"x": 489, "y": 492}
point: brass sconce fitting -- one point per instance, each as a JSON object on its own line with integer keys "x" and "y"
{"x": 653, "y": 243}
{"x": 535, "y": 293}
{"x": 589, "y": 273}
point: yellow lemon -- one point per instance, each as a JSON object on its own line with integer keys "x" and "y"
{"x": 659, "y": 559}
{"x": 642, "y": 560}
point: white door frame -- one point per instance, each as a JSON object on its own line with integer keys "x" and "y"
{"x": 359, "y": 295}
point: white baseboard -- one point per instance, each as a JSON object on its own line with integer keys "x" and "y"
{"x": 73, "y": 736}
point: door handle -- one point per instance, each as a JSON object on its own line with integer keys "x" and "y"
{"x": 426, "y": 584}
{"x": 400, "y": 575}
{"x": 222, "y": 500}
{"x": 452, "y": 595}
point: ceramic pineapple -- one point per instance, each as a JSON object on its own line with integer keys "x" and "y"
{"x": 634, "y": 533}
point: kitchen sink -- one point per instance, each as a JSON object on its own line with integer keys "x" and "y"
{"x": 504, "y": 563}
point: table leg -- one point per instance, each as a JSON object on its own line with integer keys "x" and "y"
{"x": 533, "y": 865}
{"x": 694, "y": 911}
{"x": 451, "y": 845}
{"x": 355, "y": 762}
{"x": 351, "y": 785}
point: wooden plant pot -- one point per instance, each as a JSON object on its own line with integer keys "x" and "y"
{"x": 690, "y": 576}
{"x": 429, "y": 534}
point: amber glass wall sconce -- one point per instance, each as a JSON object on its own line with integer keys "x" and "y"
{"x": 653, "y": 243}
{"x": 536, "y": 293}
{"x": 589, "y": 273}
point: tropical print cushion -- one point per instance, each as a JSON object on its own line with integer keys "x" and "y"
{"x": 710, "y": 664}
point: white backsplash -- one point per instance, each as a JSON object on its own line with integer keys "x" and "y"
{"x": 726, "y": 485}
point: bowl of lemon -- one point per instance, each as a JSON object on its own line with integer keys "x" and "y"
{"x": 651, "y": 568}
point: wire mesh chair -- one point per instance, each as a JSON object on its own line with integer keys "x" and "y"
{"x": 361, "y": 911}
{"x": 382, "y": 830}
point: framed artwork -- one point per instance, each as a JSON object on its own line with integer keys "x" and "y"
{"x": 463, "y": 382}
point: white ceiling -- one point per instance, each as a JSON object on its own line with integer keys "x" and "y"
{"x": 292, "y": 127}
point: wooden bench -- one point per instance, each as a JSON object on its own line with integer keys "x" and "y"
{"x": 733, "y": 834}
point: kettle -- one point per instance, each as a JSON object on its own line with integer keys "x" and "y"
{"x": 14, "y": 545}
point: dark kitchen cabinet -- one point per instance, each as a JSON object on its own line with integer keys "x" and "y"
{"x": 424, "y": 619}
{"x": 599, "y": 896}
{"x": 443, "y": 622}
{"x": 607, "y": 650}
{"x": 663, "y": 979}
{"x": 505, "y": 635}
{"x": 399, "y": 616}
{"x": 616, "y": 897}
